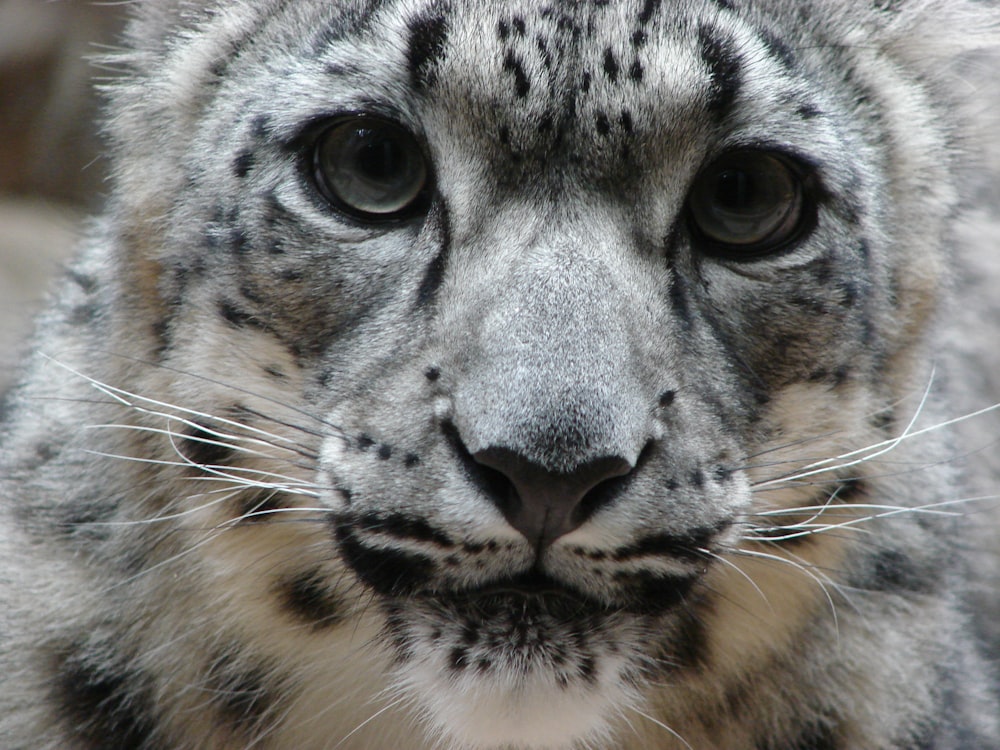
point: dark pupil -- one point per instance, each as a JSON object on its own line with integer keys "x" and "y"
{"x": 734, "y": 191}
{"x": 380, "y": 159}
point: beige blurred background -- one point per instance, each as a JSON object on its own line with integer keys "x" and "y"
{"x": 51, "y": 171}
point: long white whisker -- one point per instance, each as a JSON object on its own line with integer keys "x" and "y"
{"x": 660, "y": 724}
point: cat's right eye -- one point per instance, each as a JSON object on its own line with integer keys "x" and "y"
{"x": 371, "y": 168}
{"x": 749, "y": 203}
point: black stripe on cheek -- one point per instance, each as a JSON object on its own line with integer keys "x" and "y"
{"x": 103, "y": 702}
{"x": 428, "y": 35}
{"x": 724, "y": 68}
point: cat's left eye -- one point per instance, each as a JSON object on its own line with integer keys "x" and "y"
{"x": 371, "y": 168}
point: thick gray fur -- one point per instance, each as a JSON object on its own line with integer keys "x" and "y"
{"x": 280, "y": 477}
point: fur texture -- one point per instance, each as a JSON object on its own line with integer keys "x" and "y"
{"x": 534, "y": 460}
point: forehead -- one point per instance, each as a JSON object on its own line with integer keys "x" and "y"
{"x": 601, "y": 66}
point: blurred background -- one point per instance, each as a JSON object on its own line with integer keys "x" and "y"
{"x": 51, "y": 170}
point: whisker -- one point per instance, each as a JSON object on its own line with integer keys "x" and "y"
{"x": 660, "y": 724}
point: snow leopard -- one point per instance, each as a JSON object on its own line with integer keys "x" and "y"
{"x": 519, "y": 375}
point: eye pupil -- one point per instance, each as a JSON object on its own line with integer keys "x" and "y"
{"x": 378, "y": 159}
{"x": 746, "y": 204}
{"x": 734, "y": 190}
{"x": 370, "y": 168}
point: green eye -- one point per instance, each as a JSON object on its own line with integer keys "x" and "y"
{"x": 746, "y": 204}
{"x": 371, "y": 169}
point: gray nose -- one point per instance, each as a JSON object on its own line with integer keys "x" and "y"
{"x": 545, "y": 505}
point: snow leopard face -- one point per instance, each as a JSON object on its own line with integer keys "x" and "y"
{"x": 559, "y": 306}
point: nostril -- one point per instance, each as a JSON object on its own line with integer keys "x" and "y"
{"x": 546, "y": 505}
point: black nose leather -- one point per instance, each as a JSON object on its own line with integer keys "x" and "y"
{"x": 545, "y": 505}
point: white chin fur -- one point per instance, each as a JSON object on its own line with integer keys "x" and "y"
{"x": 529, "y": 713}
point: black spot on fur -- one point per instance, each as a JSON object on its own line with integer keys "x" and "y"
{"x": 725, "y": 4}
{"x": 894, "y": 571}
{"x": 514, "y": 66}
{"x": 777, "y": 48}
{"x": 241, "y": 693}
{"x": 87, "y": 283}
{"x": 808, "y": 111}
{"x": 611, "y": 67}
{"x": 625, "y": 120}
{"x": 105, "y": 702}
{"x": 428, "y": 36}
{"x": 649, "y": 7}
{"x": 602, "y": 123}
{"x": 308, "y": 597}
{"x": 667, "y": 398}
{"x": 238, "y": 318}
{"x": 204, "y": 448}
{"x": 724, "y": 68}
{"x": 635, "y": 71}
{"x": 384, "y": 452}
{"x": 390, "y": 572}
{"x": 243, "y": 163}
{"x": 260, "y": 127}
{"x": 639, "y": 38}
{"x": 687, "y": 647}
{"x": 519, "y": 27}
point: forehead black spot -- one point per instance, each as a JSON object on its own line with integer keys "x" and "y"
{"x": 649, "y": 8}
{"x": 724, "y": 67}
{"x": 513, "y": 65}
{"x": 611, "y": 66}
{"x": 428, "y": 35}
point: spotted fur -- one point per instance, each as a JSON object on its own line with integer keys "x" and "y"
{"x": 533, "y": 465}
